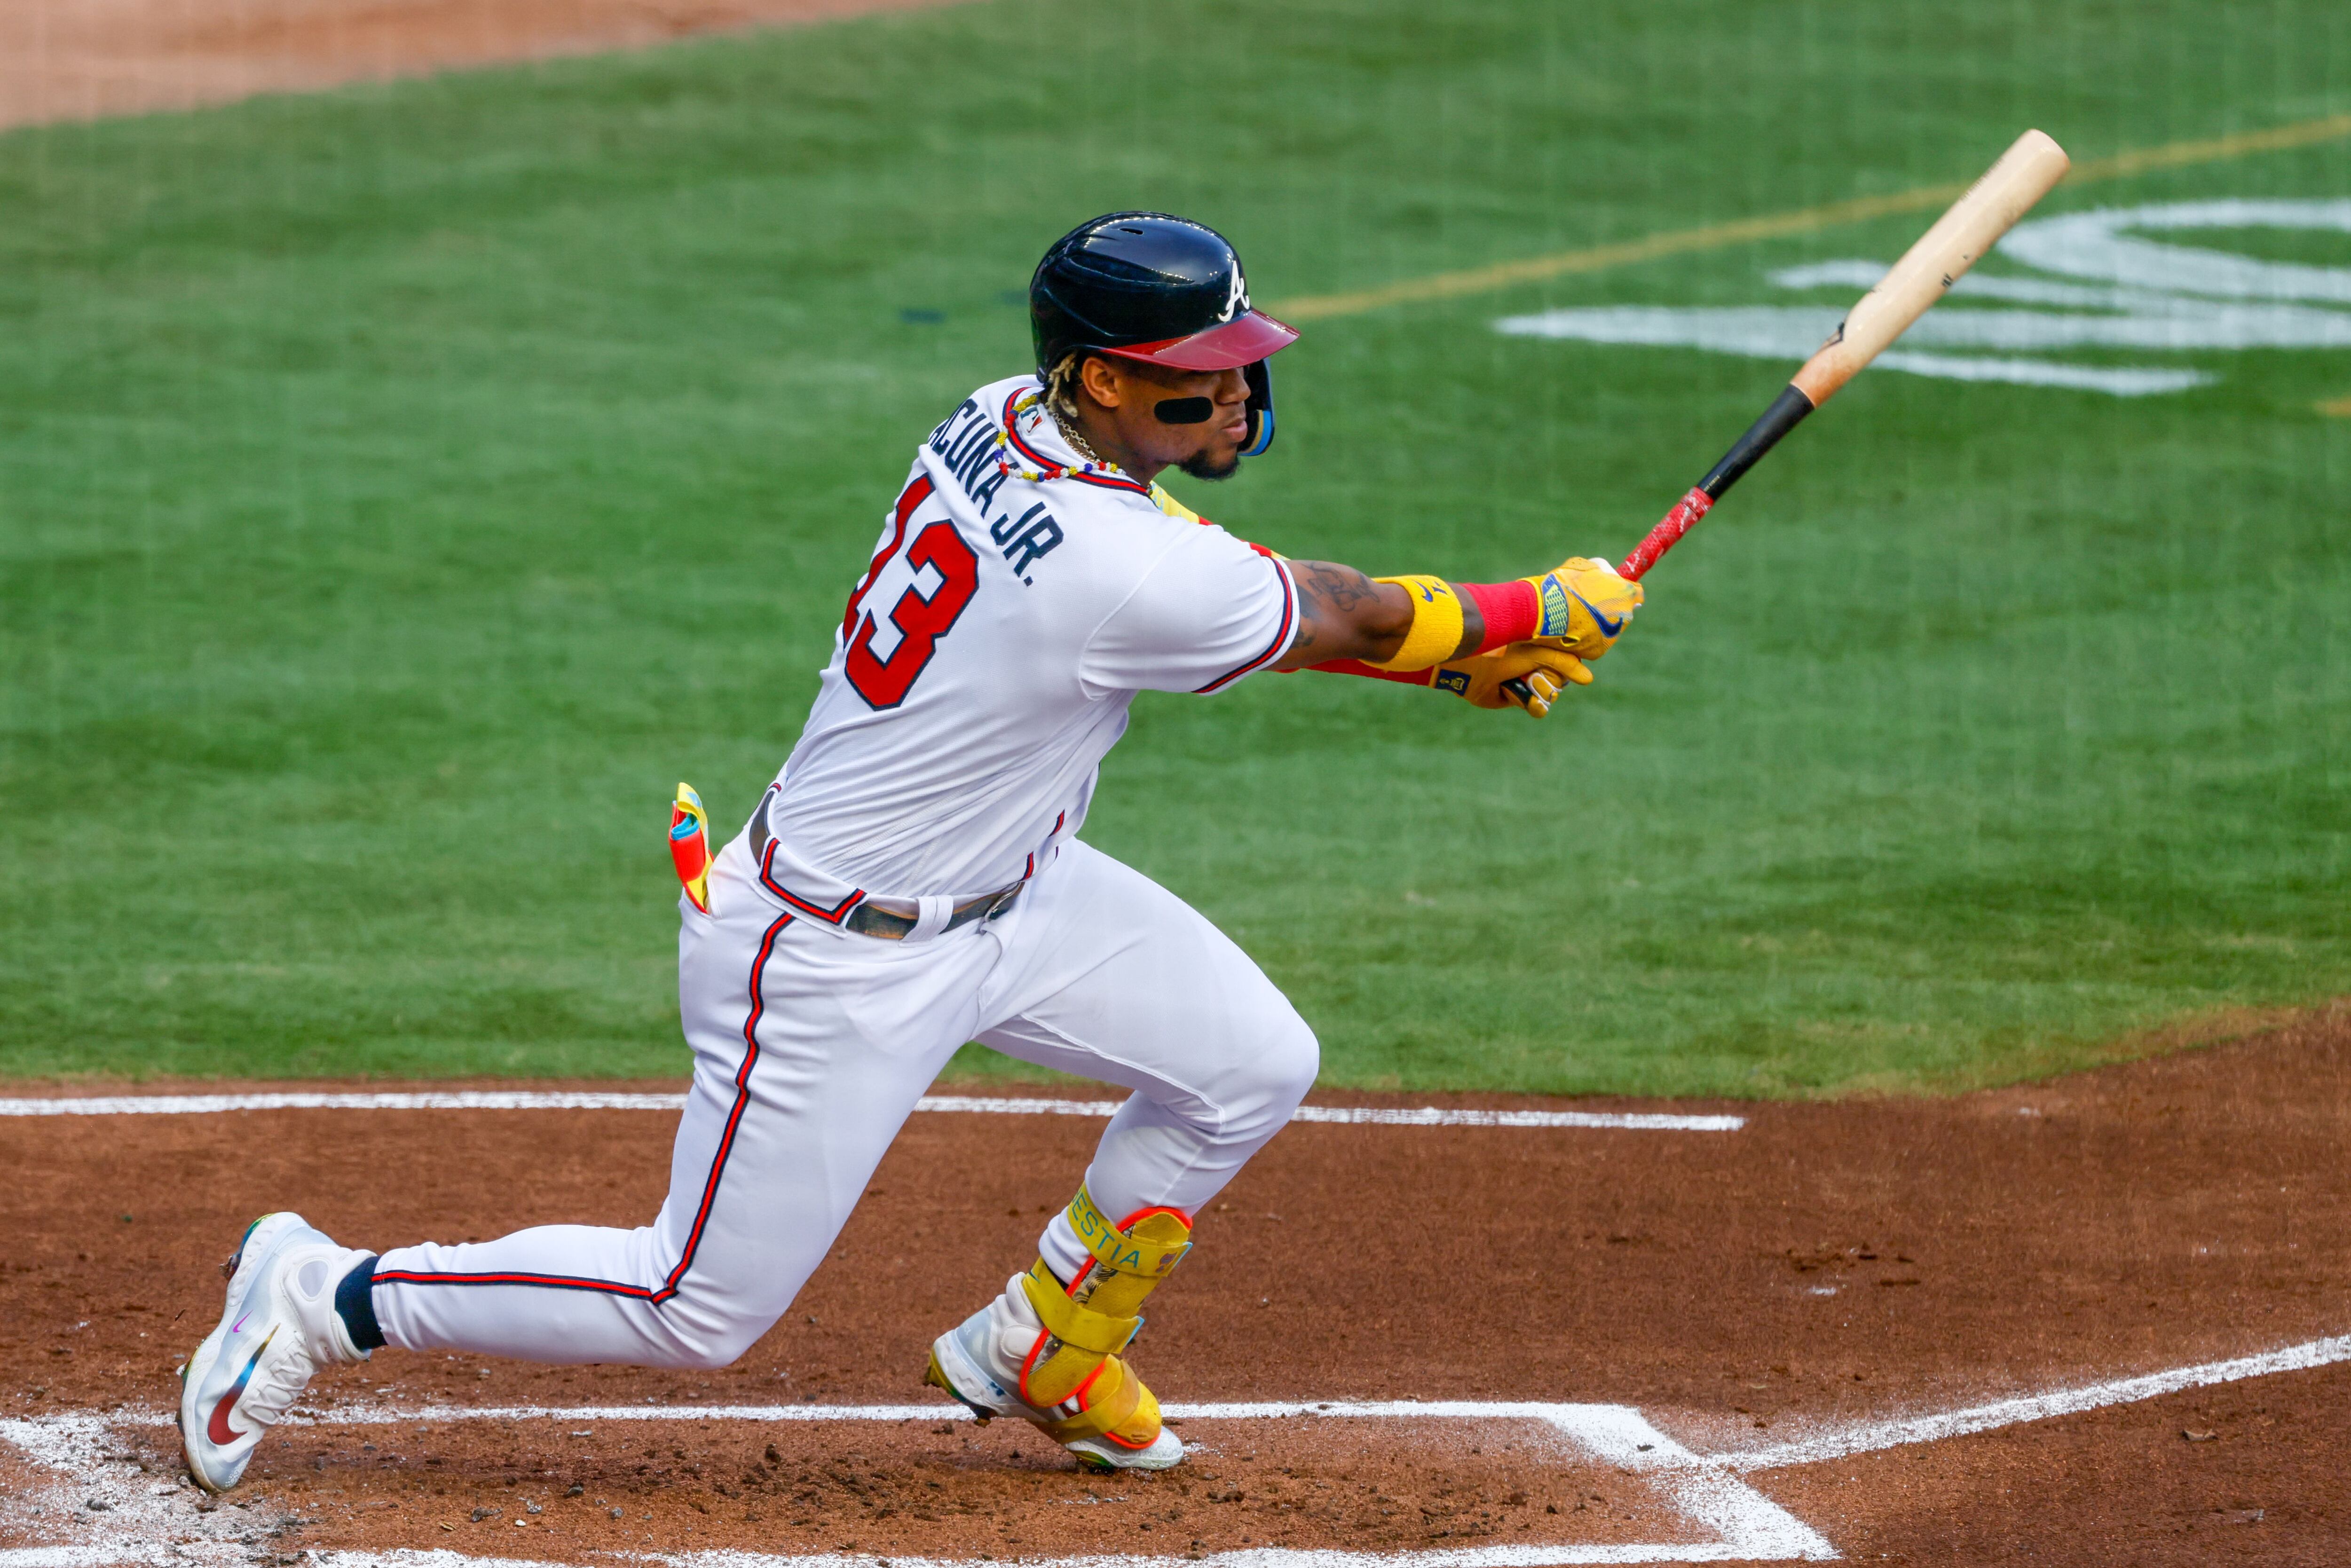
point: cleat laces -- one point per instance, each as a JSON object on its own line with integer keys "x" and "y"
{"x": 278, "y": 1382}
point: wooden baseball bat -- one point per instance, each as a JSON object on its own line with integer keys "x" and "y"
{"x": 1942, "y": 256}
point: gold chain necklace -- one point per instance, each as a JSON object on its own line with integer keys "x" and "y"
{"x": 1028, "y": 404}
{"x": 1075, "y": 437}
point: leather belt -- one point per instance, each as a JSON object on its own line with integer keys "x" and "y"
{"x": 891, "y": 919}
{"x": 890, "y": 927}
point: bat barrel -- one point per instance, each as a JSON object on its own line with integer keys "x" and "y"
{"x": 1960, "y": 238}
{"x": 1973, "y": 225}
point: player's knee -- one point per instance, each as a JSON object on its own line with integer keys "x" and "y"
{"x": 706, "y": 1328}
{"x": 1300, "y": 1055}
{"x": 716, "y": 1355}
{"x": 1285, "y": 1063}
{"x": 712, "y": 1346}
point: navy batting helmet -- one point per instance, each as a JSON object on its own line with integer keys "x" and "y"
{"x": 1162, "y": 290}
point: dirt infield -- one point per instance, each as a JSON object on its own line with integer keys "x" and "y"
{"x": 1822, "y": 1271}
{"x": 80, "y": 59}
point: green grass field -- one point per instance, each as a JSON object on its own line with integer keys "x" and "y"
{"x": 402, "y": 488}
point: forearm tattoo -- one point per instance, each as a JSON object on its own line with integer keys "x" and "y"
{"x": 1340, "y": 612}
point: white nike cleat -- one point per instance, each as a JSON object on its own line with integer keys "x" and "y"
{"x": 977, "y": 1363}
{"x": 279, "y": 1327}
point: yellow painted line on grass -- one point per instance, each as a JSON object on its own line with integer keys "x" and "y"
{"x": 1803, "y": 220}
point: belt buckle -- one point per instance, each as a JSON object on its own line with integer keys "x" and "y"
{"x": 999, "y": 902}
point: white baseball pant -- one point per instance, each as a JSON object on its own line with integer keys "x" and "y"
{"x": 812, "y": 1045}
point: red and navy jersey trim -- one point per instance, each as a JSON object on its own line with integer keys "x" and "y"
{"x": 1273, "y": 650}
{"x": 1106, "y": 482}
{"x": 671, "y": 1283}
{"x": 1031, "y": 869}
{"x": 1012, "y": 433}
{"x": 833, "y": 916}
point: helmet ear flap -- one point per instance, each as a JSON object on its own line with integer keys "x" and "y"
{"x": 1259, "y": 408}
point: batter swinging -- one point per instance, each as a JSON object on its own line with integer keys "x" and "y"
{"x": 912, "y": 880}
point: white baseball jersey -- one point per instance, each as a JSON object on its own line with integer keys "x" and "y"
{"x": 1017, "y": 600}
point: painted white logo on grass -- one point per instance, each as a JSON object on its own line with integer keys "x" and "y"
{"x": 2125, "y": 293}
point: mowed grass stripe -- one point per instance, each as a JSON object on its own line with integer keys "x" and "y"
{"x": 1780, "y": 225}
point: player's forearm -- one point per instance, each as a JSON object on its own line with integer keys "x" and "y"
{"x": 1342, "y": 614}
{"x": 1403, "y": 625}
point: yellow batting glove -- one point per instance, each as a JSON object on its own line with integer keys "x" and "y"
{"x": 1586, "y": 606}
{"x": 1543, "y": 670}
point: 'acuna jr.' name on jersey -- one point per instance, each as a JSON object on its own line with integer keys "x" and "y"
{"x": 1017, "y": 598}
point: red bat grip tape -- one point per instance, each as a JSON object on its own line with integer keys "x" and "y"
{"x": 1668, "y": 533}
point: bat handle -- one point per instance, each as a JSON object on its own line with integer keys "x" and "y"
{"x": 1786, "y": 413}
{"x": 1663, "y": 537}
{"x": 1668, "y": 533}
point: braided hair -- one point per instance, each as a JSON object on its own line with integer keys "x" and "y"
{"x": 1061, "y": 385}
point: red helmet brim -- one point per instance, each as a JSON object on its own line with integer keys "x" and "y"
{"x": 1226, "y": 347}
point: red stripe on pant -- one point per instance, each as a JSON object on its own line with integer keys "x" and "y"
{"x": 669, "y": 1287}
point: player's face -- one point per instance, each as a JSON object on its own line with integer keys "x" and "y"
{"x": 1208, "y": 449}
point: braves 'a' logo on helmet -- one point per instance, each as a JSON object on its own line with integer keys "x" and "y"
{"x": 1237, "y": 299}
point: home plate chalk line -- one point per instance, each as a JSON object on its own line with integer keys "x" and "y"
{"x": 148, "y": 1522}
{"x": 590, "y": 1100}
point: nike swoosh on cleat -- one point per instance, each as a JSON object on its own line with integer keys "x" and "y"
{"x": 238, "y": 1326}
{"x": 217, "y": 1428}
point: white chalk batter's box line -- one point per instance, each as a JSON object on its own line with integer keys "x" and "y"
{"x": 157, "y": 1530}
{"x": 1743, "y": 1524}
{"x": 588, "y": 1100}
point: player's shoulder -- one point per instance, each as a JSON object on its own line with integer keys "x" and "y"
{"x": 1010, "y": 417}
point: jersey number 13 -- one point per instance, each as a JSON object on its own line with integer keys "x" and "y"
{"x": 921, "y": 621}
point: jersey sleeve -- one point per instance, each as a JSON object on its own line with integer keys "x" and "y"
{"x": 1210, "y": 611}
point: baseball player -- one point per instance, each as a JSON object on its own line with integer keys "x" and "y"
{"x": 913, "y": 879}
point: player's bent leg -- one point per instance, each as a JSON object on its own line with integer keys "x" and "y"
{"x": 694, "y": 1289}
{"x": 1110, "y": 976}
{"x": 1120, "y": 980}
{"x": 792, "y": 1106}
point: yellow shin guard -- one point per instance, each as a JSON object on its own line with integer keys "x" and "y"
{"x": 1074, "y": 1370}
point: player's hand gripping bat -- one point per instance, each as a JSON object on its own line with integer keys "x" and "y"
{"x": 1959, "y": 238}
{"x": 2024, "y": 174}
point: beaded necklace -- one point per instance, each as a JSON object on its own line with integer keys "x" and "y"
{"x": 1027, "y": 404}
